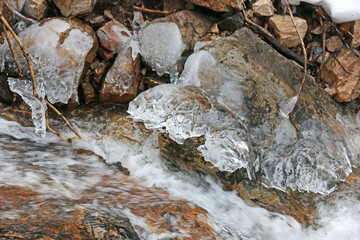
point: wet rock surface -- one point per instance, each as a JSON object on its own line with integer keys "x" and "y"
{"x": 113, "y": 35}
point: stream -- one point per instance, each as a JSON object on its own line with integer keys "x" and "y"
{"x": 71, "y": 179}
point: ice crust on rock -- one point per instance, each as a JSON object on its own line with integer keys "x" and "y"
{"x": 161, "y": 46}
{"x": 313, "y": 160}
{"x": 184, "y": 114}
{"x": 57, "y": 63}
{"x": 339, "y": 10}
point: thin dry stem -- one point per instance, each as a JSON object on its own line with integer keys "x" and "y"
{"x": 53, "y": 131}
{"x": 153, "y": 11}
{"x": 305, "y": 63}
{"x": 117, "y": 134}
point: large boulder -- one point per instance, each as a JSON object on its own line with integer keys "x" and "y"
{"x": 240, "y": 125}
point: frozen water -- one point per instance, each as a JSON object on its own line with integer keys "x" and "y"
{"x": 57, "y": 63}
{"x": 339, "y": 10}
{"x": 25, "y": 89}
{"x": 186, "y": 113}
{"x": 161, "y": 47}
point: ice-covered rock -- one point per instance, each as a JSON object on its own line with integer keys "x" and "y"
{"x": 113, "y": 35}
{"x": 184, "y": 112}
{"x": 339, "y": 10}
{"x": 161, "y": 47}
{"x": 60, "y": 51}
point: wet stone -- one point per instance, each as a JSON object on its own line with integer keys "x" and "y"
{"x": 232, "y": 22}
{"x": 113, "y": 35}
{"x": 87, "y": 92}
{"x": 5, "y": 93}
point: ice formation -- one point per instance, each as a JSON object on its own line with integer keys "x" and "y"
{"x": 161, "y": 47}
{"x": 25, "y": 89}
{"x": 184, "y": 113}
{"x": 57, "y": 63}
{"x": 339, "y": 10}
{"x": 313, "y": 160}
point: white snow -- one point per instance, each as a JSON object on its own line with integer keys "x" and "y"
{"x": 339, "y": 10}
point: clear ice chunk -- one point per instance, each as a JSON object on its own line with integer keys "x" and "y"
{"x": 25, "y": 89}
{"x": 161, "y": 47}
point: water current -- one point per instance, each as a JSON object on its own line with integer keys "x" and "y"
{"x": 58, "y": 170}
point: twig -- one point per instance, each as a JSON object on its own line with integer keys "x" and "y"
{"x": 323, "y": 43}
{"x": 53, "y": 131}
{"x": 116, "y": 134}
{"x": 341, "y": 64}
{"x": 6, "y": 26}
{"x": 153, "y": 11}
{"x": 305, "y": 62}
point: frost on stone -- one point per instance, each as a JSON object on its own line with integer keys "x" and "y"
{"x": 57, "y": 63}
{"x": 184, "y": 112}
{"x": 313, "y": 160}
{"x": 339, "y": 10}
{"x": 25, "y": 89}
{"x": 161, "y": 47}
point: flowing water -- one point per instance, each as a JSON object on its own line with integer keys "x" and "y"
{"x": 57, "y": 170}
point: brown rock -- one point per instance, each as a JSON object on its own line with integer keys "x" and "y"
{"x": 334, "y": 43}
{"x": 112, "y": 35}
{"x": 342, "y": 73}
{"x": 355, "y": 30}
{"x": 122, "y": 80}
{"x": 173, "y": 5}
{"x": 264, "y": 8}
{"x": 36, "y": 9}
{"x": 105, "y": 54}
{"x": 219, "y": 5}
{"x": 5, "y": 93}
{"x": 285, "y": 31}
{"x": 70, "y": 8}
{"x": 87, "y": 92}
{"x": 99, "y": 72}
{"x": 192, "y": 25}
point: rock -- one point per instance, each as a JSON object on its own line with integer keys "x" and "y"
{"x": 355, "y": 30}
{"x": 192, "y": 26}
{"x": 87, "y": 92}
{"x": 113, "y": 35}
{"x": 100, "y": 71}
{"x": 122, "y": 80}
{"x": 285, "y": 31}
{"x": 7, "y": 9}
{"x": 105, "y": 54}
{"x": 173, "y": 5}
{"x": 232, "y": 22}
{"x": 61, "y": 50}
{"x": 219, "y": 5}
{"x": 263, "y": 8}
{"x": 342, "y": 73}
{"x": 5, "y": 93}
{"x": 36, "y": 9}
{"x": 161, "y": 47}
{"x": 70, "y": 8}
{"x": 334, "y": 43}
{"x": 235, "y": 126}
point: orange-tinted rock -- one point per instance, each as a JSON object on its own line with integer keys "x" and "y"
{"x": 192, "y": 25}
{"x": 219, "y": 5}
{"x": 73, "y": 8}
{"x": 342, "y": 73}
{"x": 112, "y": 35}
{"x": 285, "y": 31}
{"x": 122, "y": 80}
{"x": 355, "y": 30}
{"x": 105, "y": 54}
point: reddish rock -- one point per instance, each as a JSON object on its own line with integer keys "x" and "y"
{"x": 112, "y": 35}
{"x": 99, "y": 71}
{"x": 192, "y": 26}
{"x": 70, "y": 8}
{"x": 219, "y": 5}
{"x": 285, "y": 31}
{"x": 105, "y": 54}
{"x": 342, "y": 73}
{"x": 122, "y": 80}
